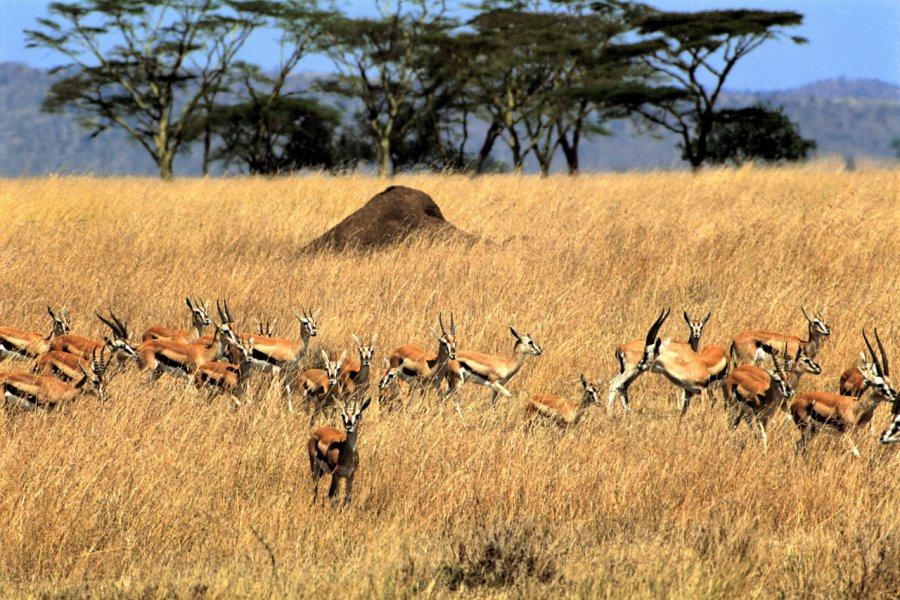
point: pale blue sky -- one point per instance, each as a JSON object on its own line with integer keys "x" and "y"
{"x": 848, "y": 38}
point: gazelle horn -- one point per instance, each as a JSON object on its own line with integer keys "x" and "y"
{"x": 878, "y": 369}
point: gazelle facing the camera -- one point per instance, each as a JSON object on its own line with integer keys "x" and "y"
{"x": 34, "y": 392}
{"x": 199, "y": 321}
{"x": 18, "y": 344}
{"x": 227, "y": 377}
{"x": 333, "y": 452}
{"x": 815, "y": 410}
{"x": 321, "y": 386}
{"x": 564, "y": 412}
{"x": 748, "y": 346}
{"x": 354, "y": 376}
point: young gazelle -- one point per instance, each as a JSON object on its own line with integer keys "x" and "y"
{"x": 489, "y": 370}
{"x": 18, "y": 344}
{"x": 814, "y": 410}
{"x": 199, "y": 320}
{"x": 33, "y": 392}
{"x": 747, "y": 346}
{"x": 676, "y": 362}
{"x": 757, "y": 392}
{"x": 321, "y": 385}
{"x": 280, "y": 356}
{"x": 225, "y": 376}
{"x": 354, "y": 376}
{"x": 629, "y": 354}
{"x": 413, "y": 363}
{"x": 333, "y": 452}
{"x": 564, "y": 412}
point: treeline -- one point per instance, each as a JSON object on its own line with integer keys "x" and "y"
{"x": 542, "y": 76}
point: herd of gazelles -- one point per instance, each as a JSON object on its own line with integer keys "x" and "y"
{"x": 67, "y": 365}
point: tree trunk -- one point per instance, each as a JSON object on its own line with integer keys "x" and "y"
{"x": 485, "y": 151}
{"x": 164, "y": 164}
{"x": 383, "y": 156}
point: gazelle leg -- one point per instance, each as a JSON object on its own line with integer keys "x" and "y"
{"x": 762, "y": 432}
{"x": 853, "y": 447}
{"x": 333, "y": 488}
{"x": 348, "y": 489}
{"x": 686, "y": 404}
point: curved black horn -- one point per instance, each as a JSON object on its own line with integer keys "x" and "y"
{"x": 441, "y": 323}
{"x": 884, "y": 360}
{"x": 654, "y": 329}
{"x": 872, "y": 353}
{"x": 109, "y": 324}
{"x": 805, "y": 314}
{"x": 123, "y": 327}
{"x": 228, "y": 317}
{"x": 452, "y": 325}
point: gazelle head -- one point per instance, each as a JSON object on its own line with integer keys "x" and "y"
{"x": 225, "y": 330}
{"x": 817, "y": 323}
{"x": 199, "y": 312}
{"x": 696, "y": 328}
{"x": 119, "y": 344}
{"x": 891, "y": 435}
{"x": 447, "y": 340}
{"x": 95, "y": 377}
{"x": 62, "y": 324}
{"x": 308, "y": 324}
{"x": 779, "y": 376}
{"x": 878, "y": 377}
{"x": 267, "y": 329}
{"x": 352, "y": 415}
{"x": 390, "y": 375}
{"x": 245, "y": 348}
{"x": 590, "y": 392}
{"x": 652, "y": 342}
{"x": 332, "y": 368}
{"x": 525, "y": 344}
{"x": 365, "y": 352}
{"x": 802, "y": 363}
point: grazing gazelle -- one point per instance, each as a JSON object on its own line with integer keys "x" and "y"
{"x": 748, "y": 346}
{"x": 280, "y": 356}
{"x": 629, "y": 354}
{"x": 391, "y": 386}
{"x": 757, "y": 392}
{"x": 489, "y": 370}
{"x": 333, "y": 452}
{"x": 33, "y": 392}
{"x": 676, "y": 362}
{"x": 199, "y": 320}
{"x": 321, "y": 385}
{"x": 21, "y": 345}
{"x": 413, "y": 363}
{"x": 354, "y": 376}
{"x": 814, "y": 410}
{"x": 561, "y": 410}
{"x": 225, "y": 376}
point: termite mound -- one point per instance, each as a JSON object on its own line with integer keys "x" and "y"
{"x": 395, "y": 216}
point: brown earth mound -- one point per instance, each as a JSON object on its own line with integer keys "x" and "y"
{"x": 391, "y": 217}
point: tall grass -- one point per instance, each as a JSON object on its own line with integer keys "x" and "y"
{"x": 160, "y": 492}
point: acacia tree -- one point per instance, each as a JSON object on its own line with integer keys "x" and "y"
{"x": 144, "y": 66}
{"x": 376, "y": 60}
{"x": 755, "y": 133}
{"x": 693, "y": 54}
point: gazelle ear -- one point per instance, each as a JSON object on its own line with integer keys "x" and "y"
{"x": 584, "y": 381}
{"x": 687, "y": 319}
{"x": 374, "y": 339}
{"x": 365, "y": 405}
{"x": 387, "y": 363}
{"x": 706, "y": 318}
{"x": 356, "y": 339}
{"x": 343, "y": 357}
{"x": 189, "y": 304}
{"x": 325, "y": 356}
{"x": 435, "y": 333}
{"x": 515, "y": 333}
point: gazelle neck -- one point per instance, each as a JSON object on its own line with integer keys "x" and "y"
{"x": 304, "y": 339}
{"x": 518, "y": 359}
{"x": 694, "y": 342}
{"x": 199, "y": 327}
{"x": 352, "y": 438}
{"x": 814, "y": 340}
{"x": 866, "y": 404}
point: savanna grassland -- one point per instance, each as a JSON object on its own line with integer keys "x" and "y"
{"x": 160, "y": 492}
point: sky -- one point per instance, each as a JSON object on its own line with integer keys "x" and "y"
{"x": 854, "y": 39}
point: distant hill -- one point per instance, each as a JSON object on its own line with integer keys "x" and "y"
{"x": 852, "y": 118}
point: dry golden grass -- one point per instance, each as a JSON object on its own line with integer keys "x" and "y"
{"x": 158, "y": 492}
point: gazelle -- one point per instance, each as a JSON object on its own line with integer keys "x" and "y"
{"x": 814, "y": 410}
{"x": 891, "y": 435}
{"x": 199, "y": 320}
{"x": 747, "y": 346}
{"x": 852, "y": 381}
{"x": 33, "y": 392}
{"x": 564, "y": 412}
{"x": 413, "y": 363}
{"x": 321, "y": 385}
{"x": 333, "y": 452}
{"x": 158, "y": 356}
{"x": 629, "y": 354}
{"x": 281, "y": 356}
{"x": 354, "y": 376}
{"x": 391, "y": 385}
{"x": 676, "y": 362}
{"x": 84, "y": 348}
{"x": 18, "y": 344}
{"x": 227, "y": 377}
{"x": 267, "y": 329}
{"x": 757, "y": 392}
{"x": 489, "y": 370}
